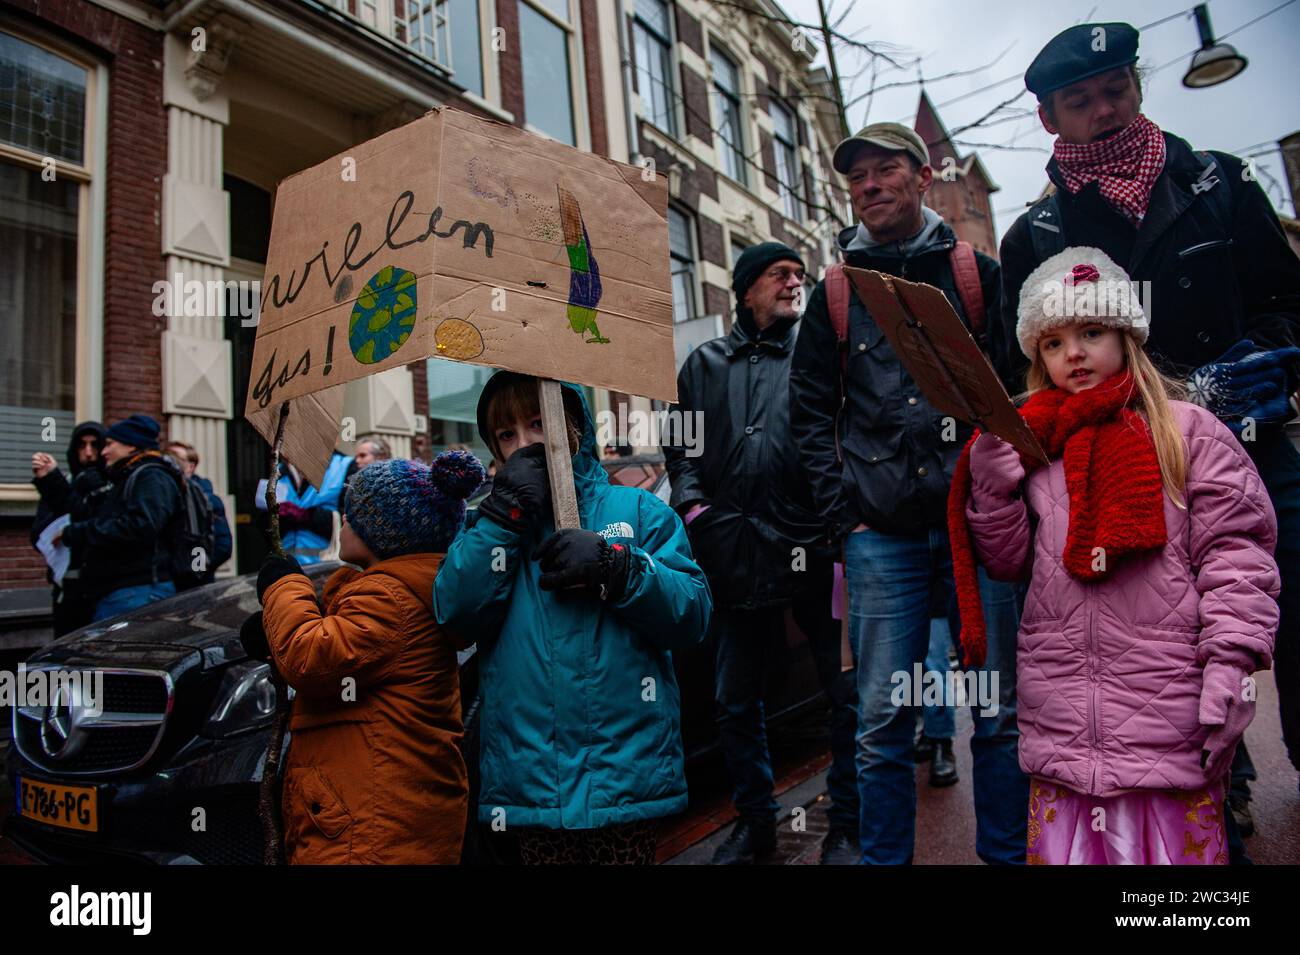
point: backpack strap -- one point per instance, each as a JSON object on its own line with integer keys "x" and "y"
{"x": 837, "y": 305}
{"x": 966, "y": 272}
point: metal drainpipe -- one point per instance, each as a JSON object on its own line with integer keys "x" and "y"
{"x": 625, "y": 68}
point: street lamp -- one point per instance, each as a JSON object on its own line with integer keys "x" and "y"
{"x": 1213, "y": 63}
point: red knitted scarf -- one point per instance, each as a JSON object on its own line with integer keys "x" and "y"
{"x": 1112, "y": 476}
{"x": 1125, "y": 165}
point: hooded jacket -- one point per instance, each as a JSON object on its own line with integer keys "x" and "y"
{"x": 581, "y": 722}
{"x": 125, "y": 540}
{"x": 747, "y": 467}
{"x": 879, "y": 454}
{"x": 374, "y": 772}
{"x": 1109, "y": 674}
{"x": 76, "y": 497}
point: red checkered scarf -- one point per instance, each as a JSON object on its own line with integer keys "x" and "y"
{"x": 1125, "y": 165}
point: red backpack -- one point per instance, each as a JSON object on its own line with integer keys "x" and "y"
{"x": 965, "y": 271}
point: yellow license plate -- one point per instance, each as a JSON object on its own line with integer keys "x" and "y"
{"x": 68, "y": 807}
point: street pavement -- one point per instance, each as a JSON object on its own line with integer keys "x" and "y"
{"x": 945, "y": 823}
{"x": 945, "y": 826}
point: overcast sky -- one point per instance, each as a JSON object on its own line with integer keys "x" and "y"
{"x": 1247, "y": 114}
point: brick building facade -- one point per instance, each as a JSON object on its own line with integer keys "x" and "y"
{"x": 170, "y": 125}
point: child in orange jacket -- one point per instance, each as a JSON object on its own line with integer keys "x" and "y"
{"x": 374, "y": 772}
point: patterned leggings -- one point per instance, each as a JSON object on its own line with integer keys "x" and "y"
{"x": 631, "y": 843}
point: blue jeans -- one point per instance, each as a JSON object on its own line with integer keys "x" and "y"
{"x": 940, "y": 721}
{"x": 130, "y": 598}
{"x": 743, "y": 641}
{"x": 891, "y": 578}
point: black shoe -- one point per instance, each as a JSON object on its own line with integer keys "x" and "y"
{"x": 750, "y": 841}
{"x": 924, "y": 747}
{"x": 840, "y": 847}
{"x": 943, "y": 770}
{"x": 1239, "y": 806}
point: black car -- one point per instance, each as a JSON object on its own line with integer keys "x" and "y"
{"x": 169, "y": 771}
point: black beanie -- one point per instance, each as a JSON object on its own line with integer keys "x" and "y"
{"x": 751, "y": 264}
{"x": 138, "y": 431}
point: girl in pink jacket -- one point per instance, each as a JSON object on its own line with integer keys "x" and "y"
{"x": 1148, "y": 540}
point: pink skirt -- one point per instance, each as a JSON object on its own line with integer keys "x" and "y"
{"x": 1151, "y": 827}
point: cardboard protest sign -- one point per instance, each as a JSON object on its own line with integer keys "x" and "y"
{"x": 941, "y": 356}
{"x": 310, "y": 433}
{"x": 471, "y": 240}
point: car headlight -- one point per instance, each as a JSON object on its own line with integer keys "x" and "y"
{"x": 245, "y": 701}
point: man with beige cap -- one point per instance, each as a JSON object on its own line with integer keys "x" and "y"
{"x": 880, "y": 458}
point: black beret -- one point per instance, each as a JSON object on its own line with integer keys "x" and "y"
{"x": 1080, "y": 52}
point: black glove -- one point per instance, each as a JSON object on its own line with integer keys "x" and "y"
{"x": 273, "y": 568}
{"x": 253, "y": 636}
{"x": 521, "y": 491}
{"x": 577, "y": 558}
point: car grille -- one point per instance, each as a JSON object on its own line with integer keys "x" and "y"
{"x": 122, "y": 737}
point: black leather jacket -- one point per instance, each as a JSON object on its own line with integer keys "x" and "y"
{"x": 881, "y": 455}
{"x": 749, "y": 473}
{"x": 1218, "y": 262}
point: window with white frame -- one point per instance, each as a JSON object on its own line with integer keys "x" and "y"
{"x": 546, "y": 37}
{"x": 652, "y": 44}
{"x": 730, "y": 117}
{"x": 466, "y": 44}
{"x": 681, "y": 250}
{"x": 787, "y": 160}
{"x": 45, "y": 177}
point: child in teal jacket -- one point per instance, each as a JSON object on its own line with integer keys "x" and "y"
{"x": 580, "y": 722}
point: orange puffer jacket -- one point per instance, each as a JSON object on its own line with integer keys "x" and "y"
{"x": 374, "y": 773}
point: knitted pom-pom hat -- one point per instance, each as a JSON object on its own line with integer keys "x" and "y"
{"x": 1081, "y": 285}
{"x": 407, "y": 507}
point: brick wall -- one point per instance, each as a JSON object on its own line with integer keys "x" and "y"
{"x": 510, "y": 63}
{"x": 136, "y": 162}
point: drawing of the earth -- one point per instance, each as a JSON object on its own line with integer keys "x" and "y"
{"x": 383, "y": 316}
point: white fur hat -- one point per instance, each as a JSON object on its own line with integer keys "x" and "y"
{"x": 1078, "y": 285}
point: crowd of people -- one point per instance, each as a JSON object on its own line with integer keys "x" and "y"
{"x": 1118, "y": 594}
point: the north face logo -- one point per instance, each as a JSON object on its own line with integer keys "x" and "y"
{"x": 617, "y": 529}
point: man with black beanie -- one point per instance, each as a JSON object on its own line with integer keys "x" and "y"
{"x": 750, "y": 517}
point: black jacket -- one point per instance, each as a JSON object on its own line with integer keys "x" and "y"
{"x": 748, "y": 470}
{"x": 1219, "y": 264}
{"x": 898, "y": 451}
{"x": 76, "y": 497}
{"x": 126, "y": 540}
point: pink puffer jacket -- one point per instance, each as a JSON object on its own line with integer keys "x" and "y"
{"x": 1109, "y": 674}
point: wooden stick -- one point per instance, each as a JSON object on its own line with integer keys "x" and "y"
{"x": 559, "y": 461}
{"x": 266, "y": 793}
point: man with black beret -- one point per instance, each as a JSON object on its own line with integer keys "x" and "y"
{"x": 1220, "y": 284}
{"x": 750, "y": 517}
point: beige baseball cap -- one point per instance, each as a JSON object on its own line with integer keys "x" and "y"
{"x": 892, "y": 136}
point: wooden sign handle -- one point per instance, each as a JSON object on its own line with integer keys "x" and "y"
{"x": 559, "y": 462}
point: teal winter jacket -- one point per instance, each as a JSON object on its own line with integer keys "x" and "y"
{"x": 581, "y": 717}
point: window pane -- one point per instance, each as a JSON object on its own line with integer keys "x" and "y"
{"x": 655, "y": 13}
{"x": 782, "y": 122}
{"x": 559, "y": 7}
{"x": 724, "y": 72}
{"x": 547, "y": 102}
{"x": 736, "y": 249}
{"x": 42, "y": 101}
{"x": 38, "y": 312}
{"x": 654, "y": 83}
{"x": 466, "y": 47}
{"x": 679, "y": 235}
{"x": 683, "y": 291}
